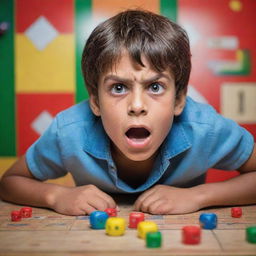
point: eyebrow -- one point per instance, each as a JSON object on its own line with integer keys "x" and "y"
{"x": 127, "y": 81}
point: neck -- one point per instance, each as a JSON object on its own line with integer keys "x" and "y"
{"x": 134, "y": 173}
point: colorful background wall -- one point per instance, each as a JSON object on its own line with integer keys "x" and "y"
{"x": 40, "y": 51}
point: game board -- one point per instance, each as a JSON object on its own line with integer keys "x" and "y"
{"x": 49, "y": 233}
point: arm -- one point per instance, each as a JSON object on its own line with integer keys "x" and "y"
{"x": 237, "y": 191}
{"x": 240, "y": 190}
{"x": 18, "y": 185}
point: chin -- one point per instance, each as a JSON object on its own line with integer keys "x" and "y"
{"x": 139, "y": 157}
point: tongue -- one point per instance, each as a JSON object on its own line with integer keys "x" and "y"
{"x": 137, "y": 133}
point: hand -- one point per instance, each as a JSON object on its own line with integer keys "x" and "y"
{"x": 163, "y": 199}
{"x": 81, "y": 200}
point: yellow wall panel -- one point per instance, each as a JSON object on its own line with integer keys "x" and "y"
{"x": 50, "y": 70}
{"x": 111, "y": 7}
{"x": 6, "y": 163}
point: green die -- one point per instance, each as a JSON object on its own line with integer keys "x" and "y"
{"x": 251, "y": 234}
{"x": 153, "y": 239}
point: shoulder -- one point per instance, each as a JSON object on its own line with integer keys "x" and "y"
{"x": 77, "y": 128}
{"x": 192, "y": 129}
{"x": 202, "y": 123}
{"x": 75, "y": 115}
{"x": 204, "y": 119}
{"x": 196, "y": 112}
{"x": 226, "y": 143}
{"x": 77, "y": 124}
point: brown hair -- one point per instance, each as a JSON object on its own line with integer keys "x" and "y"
{"x": 163, "y": 42}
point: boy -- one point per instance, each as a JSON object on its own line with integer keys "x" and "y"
{"x": 137, "y": 133}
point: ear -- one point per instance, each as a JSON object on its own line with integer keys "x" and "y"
{"x": 94, "y": 105}
{"x": 180, "y": 103}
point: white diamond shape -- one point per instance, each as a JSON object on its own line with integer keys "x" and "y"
{"x": 196, "y": 95}
{"x": 41, "y": 33}
{"x": 193, "y": 34}
{"x": 42, "y": 122}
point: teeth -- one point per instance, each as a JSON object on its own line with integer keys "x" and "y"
{"x": 137, "y": 133}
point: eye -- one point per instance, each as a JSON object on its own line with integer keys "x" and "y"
{"x": 156, "y": 88}
{"x": 118, "y": 89}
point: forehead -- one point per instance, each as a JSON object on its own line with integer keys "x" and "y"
{"x": 126, "y": 66}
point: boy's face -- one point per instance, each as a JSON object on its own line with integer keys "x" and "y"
{"x": 137, "y": 105}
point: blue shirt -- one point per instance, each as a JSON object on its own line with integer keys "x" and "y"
{"x": 199, "y": 139}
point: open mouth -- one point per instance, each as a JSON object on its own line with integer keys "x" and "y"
{"x": 139, "y": 133}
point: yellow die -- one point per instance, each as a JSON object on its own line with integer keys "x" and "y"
{"x": 146, "y": 226}
{"x": 115, "y": 226}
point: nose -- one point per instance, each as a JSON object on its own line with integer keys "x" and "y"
{"x": 137, "y": 104}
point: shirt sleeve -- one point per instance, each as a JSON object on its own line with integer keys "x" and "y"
{"x": 230, "y": 145}
{"x": 44, "y": 156}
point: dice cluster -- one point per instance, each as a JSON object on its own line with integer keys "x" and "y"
{"x": 115, "y": 226}
{"x": 24, "y": 212}
{"x": 148, "y": 230}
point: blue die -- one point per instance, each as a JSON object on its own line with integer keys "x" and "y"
{"x": 208, "y": 220}
{"x": 98, "y": 219}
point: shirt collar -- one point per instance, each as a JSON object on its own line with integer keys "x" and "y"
{"x": 176, "y": 141}
{"x": 96, "y": 142}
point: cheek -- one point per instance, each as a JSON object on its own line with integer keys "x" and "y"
{"x": 164, "y": 111}
{"x": 112, "y": 120}
{"x": 166, "y": 125}
{"x": 164, "y": 121}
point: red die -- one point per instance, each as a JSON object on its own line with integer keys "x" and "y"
{"x": 236, "y": 212}
{"x": 26, "y": 212}
{"x": 191, "y": 235}
{"x": 15, "y": 216}
{"x": 135, "y": 218}
{"x": 112, "y": 212}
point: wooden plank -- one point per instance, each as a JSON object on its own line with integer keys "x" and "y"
{"x": 234, "y": 241}
{"x": 98, "y": 241}
{"x": 50, "y": 233}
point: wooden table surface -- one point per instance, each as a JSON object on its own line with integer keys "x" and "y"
{"x": 49, "y": 233}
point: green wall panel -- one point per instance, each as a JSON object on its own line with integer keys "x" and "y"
{"x": 7, "y": 96}
{"x": 168, "y": 8}
{"x": 83, "y": 13}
